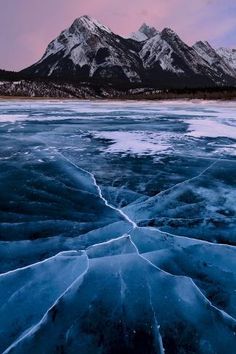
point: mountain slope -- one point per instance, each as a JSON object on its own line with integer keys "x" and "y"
{"x": 224, "y": 71}
{"x": 168, "y": 58}
{"x": 89, "y": 50}
{"x": 229, "y": 56}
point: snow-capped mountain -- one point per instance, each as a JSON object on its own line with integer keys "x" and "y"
{"x": 89, "y": 50}
{"x": 215, "y": 60}
{"x": 145, "y": 32}
{"x": 229, "y": 55}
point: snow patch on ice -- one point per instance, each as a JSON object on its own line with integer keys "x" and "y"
{"x": 227, "y": 150}
{"x": 139, "y": 143}
{"x": 12, "y": 118}
{"x": 210, "y": 128}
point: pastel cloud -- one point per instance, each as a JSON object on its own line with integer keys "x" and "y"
{"x": 27, "y": 26}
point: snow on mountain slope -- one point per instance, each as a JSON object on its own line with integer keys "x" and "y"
{"x": 158, "y": 50}
{"x": 138, "y": 36}
{"x": 229, "y": 55}
{"x": 214, "y": 59}
{"x": 205, "y": 50}
{"x": 89, "y": 49}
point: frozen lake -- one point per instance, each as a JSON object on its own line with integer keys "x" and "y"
{"x": 117, "y": 227}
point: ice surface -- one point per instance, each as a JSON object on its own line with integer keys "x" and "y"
{"x": 117, "y": 227}
{"x": 45, "y": 282}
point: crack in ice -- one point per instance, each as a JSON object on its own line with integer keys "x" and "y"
{"x": 222, "y": 312}
{"x": 62, "y": 253}
{"x": 35, "y": 327}
{"x": 157, "y": 326}
{"x": 120, "y": 211}
{"x": 183, "y": 182}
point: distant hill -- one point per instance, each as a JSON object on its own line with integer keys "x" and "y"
{"x": 9, "y": 75}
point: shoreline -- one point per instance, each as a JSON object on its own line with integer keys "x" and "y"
{"x": 124, "y": 99}
{"x": 43, "y": 90}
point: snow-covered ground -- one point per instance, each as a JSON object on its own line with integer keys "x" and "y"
{"x": 117, "y": 227}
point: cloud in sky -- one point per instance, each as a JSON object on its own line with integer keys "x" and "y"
{"x": 27, "y": 26}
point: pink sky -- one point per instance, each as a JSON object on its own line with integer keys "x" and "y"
{"x": 27, "y": 26}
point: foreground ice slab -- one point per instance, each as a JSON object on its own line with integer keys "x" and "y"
{"x": 27, "y": 293}
{"x": 136, "y": 307}
{"x": 117, "y": 227}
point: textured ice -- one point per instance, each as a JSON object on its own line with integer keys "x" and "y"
{"x": 117, "y": 227}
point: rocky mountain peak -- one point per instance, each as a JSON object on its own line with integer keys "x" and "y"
{"x": 148, "y": 31}
{"x": 144, "y": 33}
{"x": 169, "y": 33}
{"x": 89, "y": 23}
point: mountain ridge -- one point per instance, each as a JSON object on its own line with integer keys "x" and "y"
{"x": 90, "y": 51}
